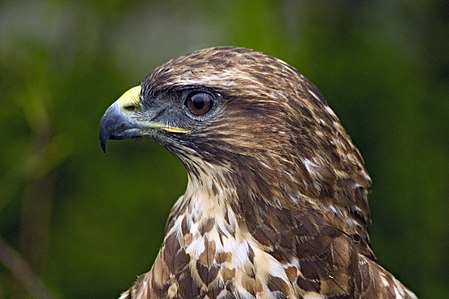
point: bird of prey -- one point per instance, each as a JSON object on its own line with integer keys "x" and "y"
{"x": 276, "y": 201}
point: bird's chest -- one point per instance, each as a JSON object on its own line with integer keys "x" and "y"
{"x": 222, "y": 258}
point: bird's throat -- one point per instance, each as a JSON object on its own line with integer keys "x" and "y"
{"x": 208, "y": 241}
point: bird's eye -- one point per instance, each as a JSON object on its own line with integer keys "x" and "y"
{"x": 199, "y": 103}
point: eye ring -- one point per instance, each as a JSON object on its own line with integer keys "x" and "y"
{"x": 199, "y": 103}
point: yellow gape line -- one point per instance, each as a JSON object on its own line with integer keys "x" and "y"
{"x": 164, "y": 127}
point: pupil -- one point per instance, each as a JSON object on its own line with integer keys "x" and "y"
{"x": 198, "y": 102}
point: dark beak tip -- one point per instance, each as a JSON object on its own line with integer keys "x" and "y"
{"x": 115, "y": 125}
{"x": 102, "y": 136}
{"x": 103, "y": 146}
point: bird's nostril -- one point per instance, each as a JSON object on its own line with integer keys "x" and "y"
{"x": 130, "y": 108}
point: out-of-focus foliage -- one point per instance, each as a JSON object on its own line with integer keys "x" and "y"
{"x": 87, "y": 223}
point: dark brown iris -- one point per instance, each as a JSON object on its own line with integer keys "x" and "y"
{"x": 199, "y": 103}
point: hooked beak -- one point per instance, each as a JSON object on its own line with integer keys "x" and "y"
{"x": 119, "y": 122}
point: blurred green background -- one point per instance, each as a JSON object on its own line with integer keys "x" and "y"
{"x": 75, "y": 223}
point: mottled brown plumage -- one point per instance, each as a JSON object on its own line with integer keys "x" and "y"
{"x": 276, "y": 203}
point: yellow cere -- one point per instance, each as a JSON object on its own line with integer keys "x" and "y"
{"x": 130, "y": 99}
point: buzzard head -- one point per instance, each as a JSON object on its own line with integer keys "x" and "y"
{"x": 251, "y": 122}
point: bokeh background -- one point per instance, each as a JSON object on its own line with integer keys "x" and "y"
{"x": 75, "y": 223}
